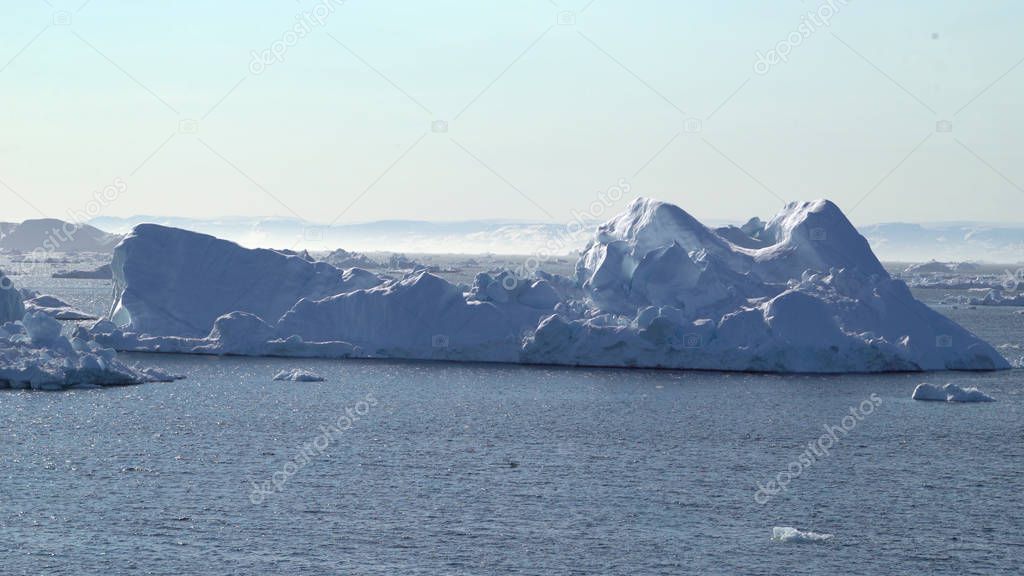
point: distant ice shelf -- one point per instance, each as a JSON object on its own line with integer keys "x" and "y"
{"x": 801, "y": 292}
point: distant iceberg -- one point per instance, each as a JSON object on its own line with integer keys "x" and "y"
{"x": 654, "y": 287}
{"x": 794, "y": 536}
{"x": 995, "y": 297}
{"x": 950, "y": 393}
{"x": 52, "y": 235}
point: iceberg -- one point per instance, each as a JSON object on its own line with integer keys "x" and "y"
{"x": 101, "y": 273}
{"x": 51, "y": 235}
{"x": 34, "y": 355}
{"x": 298, "y": 375}
{"x": 180, "y": 282}
{"x": 12, "y": 303}
{"x": 792, "y": 535}
{"x": 800, "y": 292}
{"x": 950, "y": 393}
{"x": 995, "y": 297}
{"x": 53, "y": 306}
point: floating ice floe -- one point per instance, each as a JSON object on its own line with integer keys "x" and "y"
{"x": 654, "y": 287}
{"x": 950, "y": 393}
{"x": 793, "y": 536}
{"x": 298, "y": 375}
{"x": 53, "y": 306}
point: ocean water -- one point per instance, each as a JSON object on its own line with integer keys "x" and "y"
{"x": 432, "y": 468}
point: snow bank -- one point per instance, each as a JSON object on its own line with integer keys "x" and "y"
{"x": 794, "y": 536}
{"x": 801, "y": 292}
{"x": 950, "y": 393}
{"x": 298, "y": 375}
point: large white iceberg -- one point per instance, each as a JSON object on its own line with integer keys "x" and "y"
{"x": 801, "y": 292}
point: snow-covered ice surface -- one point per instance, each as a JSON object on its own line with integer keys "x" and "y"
{"x": 794, "y": 536}
{"x": 298, "y": 375}
{"x": 802, "y": 292}
{"x": 950, "y": 393}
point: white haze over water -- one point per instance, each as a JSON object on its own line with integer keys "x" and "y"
{"x": 898, "y": 241}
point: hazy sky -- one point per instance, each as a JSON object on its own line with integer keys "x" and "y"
{"x": 547, "y": 103}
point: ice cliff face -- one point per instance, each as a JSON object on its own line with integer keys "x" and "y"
{"x": 174, "y": 282}
{"x": 801, "y": 292}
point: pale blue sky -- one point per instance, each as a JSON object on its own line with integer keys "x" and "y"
{"x": 541, "y": 115}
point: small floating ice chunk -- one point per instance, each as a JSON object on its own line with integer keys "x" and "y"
{"x": 929, "y": 392}
{"x": 792, "y": 535}
{"x": 950, "y": 393}
{"x": 958, "y": 394}
{"x": 154, "y": 374}
{"x": 298, "y": 375}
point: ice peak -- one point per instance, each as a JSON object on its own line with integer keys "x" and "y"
{"x": 647, "y": 224}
